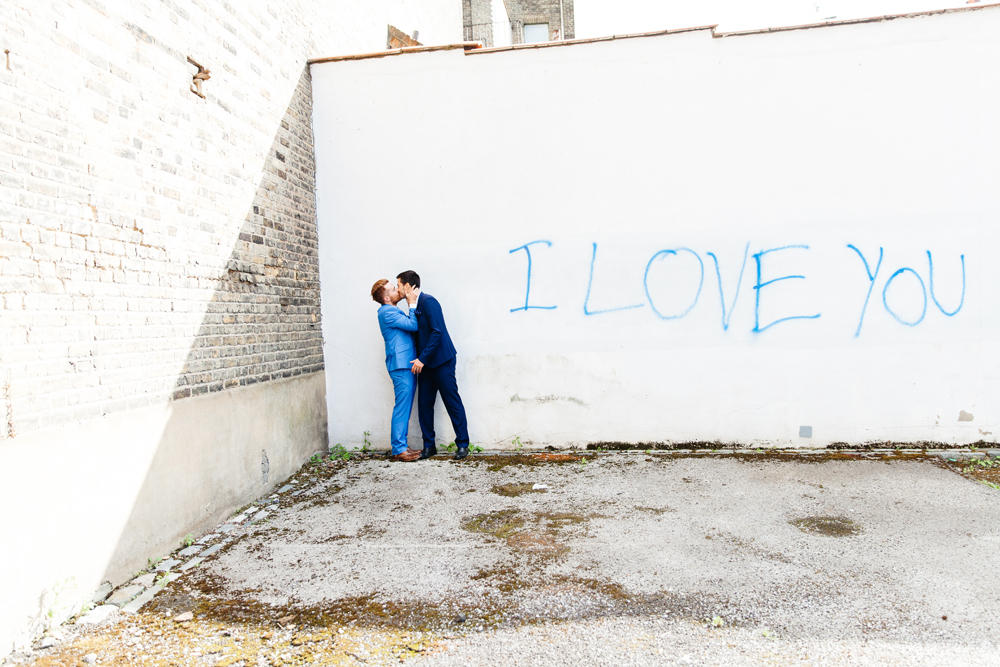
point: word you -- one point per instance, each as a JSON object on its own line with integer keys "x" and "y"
{"x": 872, "y": 269}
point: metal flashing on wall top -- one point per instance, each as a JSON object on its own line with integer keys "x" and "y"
{"x": 475, "y": 48}
{"x": 396, "y": 52}
{"x": 866, "y": 19}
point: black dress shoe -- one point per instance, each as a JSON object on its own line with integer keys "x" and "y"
{"x": 428, "y": 452}
{"x": 461, "y": 453}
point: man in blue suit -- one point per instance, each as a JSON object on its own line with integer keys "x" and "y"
{"x": 434, "y": 366}
{"x": 397, "y": 331}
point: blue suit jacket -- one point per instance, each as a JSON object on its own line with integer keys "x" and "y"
{"x": 397, "y": 329}
{"x": 434, "y": 346}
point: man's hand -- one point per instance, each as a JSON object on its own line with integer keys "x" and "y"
{"x": 416, "y": 367}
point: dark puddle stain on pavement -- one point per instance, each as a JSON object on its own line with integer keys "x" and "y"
{"x": 519, "y": 591}
{"x": 528, "y": 595}
{"x": 832, "y": 526}
{"x": 515, "y": 489}
{"x": 512, "y": 596}
{"x": 504, "y": 523}
{"x": 655, "y": 510}
{"x": 207, "y": 596}
{"x": 500, "y": 524}
{"x": 497, "y": 462}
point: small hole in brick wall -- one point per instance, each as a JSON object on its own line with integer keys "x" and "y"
{"x": 284, "y": 301}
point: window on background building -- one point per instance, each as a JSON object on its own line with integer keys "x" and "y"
{"x": 536, "y": 32}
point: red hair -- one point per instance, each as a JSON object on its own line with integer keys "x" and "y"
{"x": 378, "y": 290}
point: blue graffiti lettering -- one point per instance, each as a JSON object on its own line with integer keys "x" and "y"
{"x": 590, "y": 282}
{"x": 736, "y": 294}
{"x": 923, "y": 292}
{"x": 728, "y": 305}
{"x": 697, "y": 294}
{"x": 758, "y": 286}
{"x": 527, "y": 290}
{"x": 871, "y": 282}
{"x": 961, "y": 301}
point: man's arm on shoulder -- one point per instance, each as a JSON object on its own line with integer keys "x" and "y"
{"x": 396, "y": 318}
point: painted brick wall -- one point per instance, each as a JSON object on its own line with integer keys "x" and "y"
{"x": 541, "y": 11}
{"x": 158, "y": 272}
{"x": 477, "y": 20}
{"x": 153, "y": 244}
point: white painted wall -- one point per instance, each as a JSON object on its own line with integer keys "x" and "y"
{"x": 873, "y": 135}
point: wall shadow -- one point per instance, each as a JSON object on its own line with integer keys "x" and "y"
{"x": 249, "y": 399}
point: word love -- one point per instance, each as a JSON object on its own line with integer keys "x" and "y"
{"x": 903, "y": 278}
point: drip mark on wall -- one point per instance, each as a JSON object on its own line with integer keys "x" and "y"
{"x": 550, "y": 398}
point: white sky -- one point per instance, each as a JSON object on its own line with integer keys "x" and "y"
{"x": 596, "y": 18}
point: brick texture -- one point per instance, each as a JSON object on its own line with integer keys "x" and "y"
{"x": 263, "y": 320}
{"x": 522, "y": 12}
{"x": 397, "y": 39}
{"x": 477, "y": 21}
{"x": 154, "y": 245}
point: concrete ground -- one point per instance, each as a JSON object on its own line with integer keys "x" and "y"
{"x": 613, "y": 558}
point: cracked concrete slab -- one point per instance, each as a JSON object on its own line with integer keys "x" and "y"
{"x": 837, "y": 556}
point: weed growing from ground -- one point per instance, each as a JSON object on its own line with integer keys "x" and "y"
{"x": 981, "y": 464}
{"x": 339, "y": 453}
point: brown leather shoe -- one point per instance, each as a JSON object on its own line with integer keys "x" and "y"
{"x": 407, "y": 456}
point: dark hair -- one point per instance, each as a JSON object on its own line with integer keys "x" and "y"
{"x": 410, "y": 278}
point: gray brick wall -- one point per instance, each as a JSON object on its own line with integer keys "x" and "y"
{"x": 477, "y": 21}
{"x": 522, "y": 12}
{"x": 153, "y": 244}
{"x": 263, "y": 322}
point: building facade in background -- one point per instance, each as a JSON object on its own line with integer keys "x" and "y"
{"x": 397, "y": 39}
{"x": 506, "y": 22}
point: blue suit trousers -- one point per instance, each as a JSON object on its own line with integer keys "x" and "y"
{"x": 404, "y": 384}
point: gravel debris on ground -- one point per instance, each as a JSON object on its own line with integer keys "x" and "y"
{"x": 601, "y": 558}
